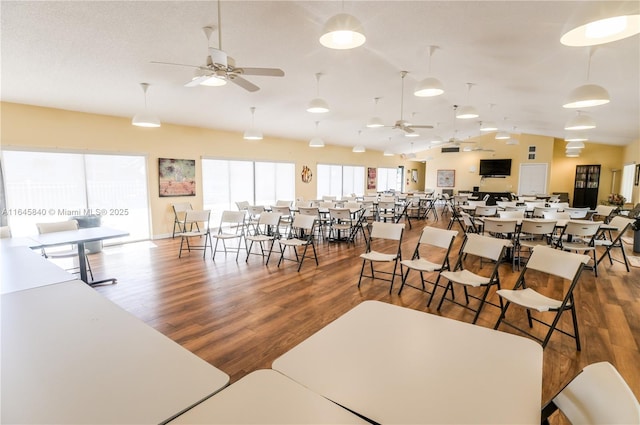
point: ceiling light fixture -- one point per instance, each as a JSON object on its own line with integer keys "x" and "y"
{"x": 512, "y": 141}
{"x": 342, "y": 31}
{"x": 487, "y": 126}
{"x": 145, "y": 119}
{"x": 580, "y": 122}
{"x": 572, "y": 154}
{"x": 375, "y": 121}
{"x": 603, "y": 22}
{"x": 430, "y": 86}
{"x": 318, "y": 105}
{"x": 467, "y": 111}
{"x": 251, "y": 133}
{"x": 575, "y": 145}
{"x": 577, "y": 136}
{"x": 316, "y": 142}
{"x": 503, "y": 135}
{"x": 387, "y": 153}
{"x": 589, "y": 94}
{"x": 359, "y": 148}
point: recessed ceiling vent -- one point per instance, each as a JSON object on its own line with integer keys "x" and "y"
{"x": 450, "y": 149}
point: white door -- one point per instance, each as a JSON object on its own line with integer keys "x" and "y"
{"x": 533, "y": 179}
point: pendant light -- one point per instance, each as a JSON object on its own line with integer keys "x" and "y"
{"x": 503, "y": 135}
{"x": 145, "y": 119}
{"x": 359, "y": 148}
{"x": 388, "y": 152}
{"x": 576, "y": 136}
{"x": 318, "y": 105}
{"x": 467, "y": 111}
{"x": 430, "y": 86}
{"x": 575, "y": 145}
{"x": 589, "y": 94}
{"x": 375, "y": 121}
{"x": 603, "y": 22}
{"x": 316, "y": 142}
{"x": 342, "y": 31}
{"x": 487, "y": 126}
{"x": 251, "y": 133}
{"x": 513, "y": 141}
{"x": 580, "y": 122}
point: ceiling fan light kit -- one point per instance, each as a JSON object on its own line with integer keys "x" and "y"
{"x": 342, "y": 31}
{"x": 603, "y": 23}
{"x": 145, "y": 119}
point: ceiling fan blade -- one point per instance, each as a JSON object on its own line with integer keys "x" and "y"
{"x": 247, "y": 85}
{"x": 177, "y": 64}
{"x": 420, "y": 126}
{"x": 407, "y": 129}
{"x": 267, "y": 72}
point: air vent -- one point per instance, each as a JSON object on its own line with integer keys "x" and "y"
{"x": 451, "y": 149}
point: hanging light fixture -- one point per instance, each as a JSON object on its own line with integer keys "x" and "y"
{"x": 589, "y": 94}
{"x": 575, "y": 145}
{"x": 503, "y": 135}
{"x": 318, "y": 105}
{"x": 572, "y": 153}
{"x": 513, "y": 141}
{"x": 375, "y": 121}
{"x": 252, "y": 133}
{"x": 359, "y": 148}
{"x": 342, "y": 31}
{"x": 603, "y": 22}
{"x": 316, "y": 142}
{"x": 580, "y": 122}
{"x": 467, "y": 111}
{"x": 145, "y": 119}
{"x": 576, "y": 136}
{"x": 430, "y": 86}
{"x": 387, "y": 153}
{"x": 487, "y": 126}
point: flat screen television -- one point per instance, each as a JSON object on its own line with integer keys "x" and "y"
{"x": 495, "y": 167}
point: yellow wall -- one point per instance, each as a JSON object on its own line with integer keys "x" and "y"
{"x": 632, "y": 156}
{"x": 25, "y": 126}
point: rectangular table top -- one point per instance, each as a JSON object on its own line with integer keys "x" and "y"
{"x": 90, "y": 234}
{"x": 267, "y": 397}
{"x": 69, "y": 355}
{"x": 23, "y": 268}
{"x": 397, "y": 365}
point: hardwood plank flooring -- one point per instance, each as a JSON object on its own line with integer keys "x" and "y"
{"x": 240, "y": 316}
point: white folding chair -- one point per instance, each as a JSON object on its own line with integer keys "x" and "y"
{"x": 179, "y": 209}
{"x": 434, "y": 244}
{"x": 266, "y": 231}
{"x": 577, "y": 213}
{"x": 380, "y": 251}
{"x": 286, "y": 218}
{"x": 300, "y": 236}
{"x": 341, "y": 224}
{"x": 597, "y": 395}
{"x": 485, "y": 248}
{"x": 603, "y": 213}
{"x": 231, "y": 227}
{"x": 579, "y": 236}
{"x": 533, "y": 232}
{"x": 71, "y": 251}
{"x": 615, "y": 229}
{"x": 550, "y": 261}
{"x": 198, "y": 219}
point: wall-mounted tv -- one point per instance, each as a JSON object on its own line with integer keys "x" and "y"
{"x": 495, "y": 167}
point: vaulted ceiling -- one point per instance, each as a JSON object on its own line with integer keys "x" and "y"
{"x": 91, "y": 56}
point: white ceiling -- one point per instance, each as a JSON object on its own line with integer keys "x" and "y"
{"x": 91, "y": 56}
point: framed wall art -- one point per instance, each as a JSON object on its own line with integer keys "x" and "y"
{"x": 177, "y": 177}
{"x": 446, "y": 178}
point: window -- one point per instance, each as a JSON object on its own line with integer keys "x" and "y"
{"x": 626, "y": 186}
{"x": 225, "y": 182}
{"x": 340, "y": 180}
{"x": 388, "y": 179}
{"x": 55, "y": 186}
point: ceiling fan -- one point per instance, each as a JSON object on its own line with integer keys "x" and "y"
{"x": 401, "y": 124}
{"x": 454, "y": 141}
{"x": 220, "y": 68}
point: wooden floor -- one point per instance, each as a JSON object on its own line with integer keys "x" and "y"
{"x": 241, "y": 316}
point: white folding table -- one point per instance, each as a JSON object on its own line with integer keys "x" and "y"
{"x": 22, "y": 268}
{"x": 69, "y": 355}
{"x": 267, "y": 397}
{"x": 79, "y": 237}
{"x": 392, "y": 364}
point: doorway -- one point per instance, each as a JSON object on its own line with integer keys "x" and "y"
{"x": 533, "y": 179}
